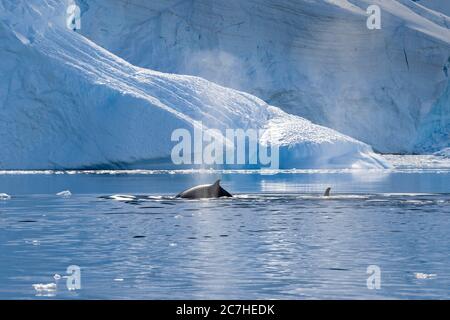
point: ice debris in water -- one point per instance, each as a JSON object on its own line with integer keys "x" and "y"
{"x": 72, "y": 65}
{"x": 122, "y": 197}
{"x": 44, "y": 287}
{"x": 443, "y": 153}
{"x": 4, "y": 196}
{"x": 64, "y": 194}
{"x": 420, "y": 275}
{"x": 56, "y": 277}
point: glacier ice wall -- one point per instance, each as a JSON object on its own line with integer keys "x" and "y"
{"x": 434, "y": 133}
{"x": 67, "y": 103}
{"x": 314, "y": 58}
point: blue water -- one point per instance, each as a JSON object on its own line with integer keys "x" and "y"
{"x": 277, "y": 239}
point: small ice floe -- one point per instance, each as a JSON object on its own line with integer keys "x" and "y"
{"x": 420, "y": 275}
{"x": 64, "y": 194}
{"x": 4, "y": 196}
{"x": 118, "y": 279}
{"x": 33, "y": 242}
{"x": 41, "y": 287}
{"x": 443, "y": 153}
{"x": 155, "y": 197}
{"x": 122, "y": 197}
{"x": 172, "y": 244}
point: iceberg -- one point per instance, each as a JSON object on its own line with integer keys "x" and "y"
{"x": 312, "y": 58}
{"x": 68, "y": 103}
{"x": 45, "y": 287}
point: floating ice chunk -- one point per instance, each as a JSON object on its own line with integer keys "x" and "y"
{"x": 33, "y": 242}
{"x": 118, "y": 279}
{"x": 57, "y": 277}
{"x": 44, "y": 287}
{"x": 420, "y": 275}
{"x": 64, "y": 194}
{"x": 4, "y": 196}
{"x": 122, "y": 197}
{"x": 163, "y": 103}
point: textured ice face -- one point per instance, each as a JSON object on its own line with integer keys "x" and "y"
{"x": 68, "y": 103}
{"x": 434, "y": 130}
{"x": 436, "y": 5}
{"x": 316, "y": 59}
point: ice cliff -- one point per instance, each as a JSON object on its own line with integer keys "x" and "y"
{"x": 313, "y": 58}
{"x": 65, "y": 102}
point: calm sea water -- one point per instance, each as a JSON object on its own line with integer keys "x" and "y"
{"x": 277, "y": 239}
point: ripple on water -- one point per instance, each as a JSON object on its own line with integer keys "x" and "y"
{"x": 264, "y": 243}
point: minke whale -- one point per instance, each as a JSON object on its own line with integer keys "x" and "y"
{"x": 205, "y": 191}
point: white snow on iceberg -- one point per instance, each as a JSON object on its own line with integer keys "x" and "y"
{"x": 68, "y": 103}
{"x": 313, "y": 58}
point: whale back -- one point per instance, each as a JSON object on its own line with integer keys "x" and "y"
{"x": 205, "y": 191}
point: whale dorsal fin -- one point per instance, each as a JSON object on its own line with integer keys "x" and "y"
{"x": 216, "y": 184}
{"x": 327, "y": 192}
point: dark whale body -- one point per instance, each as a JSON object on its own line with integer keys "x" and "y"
{"x": 205, "y": 191}
{"x": 214, "y": 191}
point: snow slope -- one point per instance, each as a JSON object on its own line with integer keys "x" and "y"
{"x": 66, "y": 103}
{"x": 313, "y": 58}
